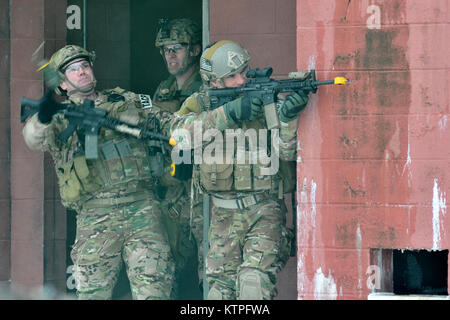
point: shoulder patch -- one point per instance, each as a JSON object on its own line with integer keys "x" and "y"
{"x": 146, "y": 101}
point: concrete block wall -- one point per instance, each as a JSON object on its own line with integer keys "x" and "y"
{"x": 267, "y": 29}
{"x": 373, "y": 162}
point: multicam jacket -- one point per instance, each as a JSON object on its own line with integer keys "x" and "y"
{"x": 244, "y": 173}
{"x": 122, "y": 167}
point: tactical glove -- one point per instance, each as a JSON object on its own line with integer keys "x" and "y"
{"x": 243, "y": 109}
{"x": 47, "y": 107}
{"x": 293, "y": 104}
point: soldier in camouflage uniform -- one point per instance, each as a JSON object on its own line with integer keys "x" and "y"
{"x": 248, "y": 237}
{"x": 118, "y": 217}
{"x": 179, "y": 42}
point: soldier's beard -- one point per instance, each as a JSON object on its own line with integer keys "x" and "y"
{"x": 186, "y": 64}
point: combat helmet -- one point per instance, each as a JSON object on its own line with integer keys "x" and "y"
{"x": 55, "y": 67}
{"x": 222, "y": 59}
{"x": 178, "y": 31}
{"x": 68, "y": 53}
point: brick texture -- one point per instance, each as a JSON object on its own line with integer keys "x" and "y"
{"x": 372, "y": 167}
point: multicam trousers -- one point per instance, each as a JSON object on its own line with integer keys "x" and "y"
{"x": 185, "y": 230}
{"x": 248, "y": 248}
{"x": 130, "y": 232}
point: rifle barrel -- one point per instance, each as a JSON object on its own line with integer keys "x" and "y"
{"x": 319, "y": 83}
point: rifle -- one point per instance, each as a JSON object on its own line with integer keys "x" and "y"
{"x": 261, "y": 86}
{"x": 88, "y": 119}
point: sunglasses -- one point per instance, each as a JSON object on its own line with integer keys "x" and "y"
{"x": 74, "y": 67}
{"x": 173, "y": 49}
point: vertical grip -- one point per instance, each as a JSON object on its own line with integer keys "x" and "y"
{"x": 270, "y": 112}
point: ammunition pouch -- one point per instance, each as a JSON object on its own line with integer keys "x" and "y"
{"x": 236, "y": 177}
{"x": 75, "y": 181}
{"x": 216, "y": 177}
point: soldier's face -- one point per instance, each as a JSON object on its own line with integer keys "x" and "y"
{"x": 234, "y": 81}
{"x": 79, "y": 75}
{"x": 178, "y": 58}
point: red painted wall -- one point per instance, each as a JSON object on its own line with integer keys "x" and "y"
{"x": 373, "y": 157}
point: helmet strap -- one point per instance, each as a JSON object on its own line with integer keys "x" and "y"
{"x": 83, "y": 89}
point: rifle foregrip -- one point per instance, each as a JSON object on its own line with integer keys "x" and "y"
{"x": 272, "y": 120}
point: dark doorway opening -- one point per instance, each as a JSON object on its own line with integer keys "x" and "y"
{"x": 420, "y": 272}
{"x": 147, "y": 66}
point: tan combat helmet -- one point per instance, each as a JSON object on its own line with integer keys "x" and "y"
{"x": 61, "y": 58}
{"x": 223, "y": 59}
{"x": 184, "y": 31}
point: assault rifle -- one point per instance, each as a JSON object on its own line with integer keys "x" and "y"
{"x": 261, "y": 86}
{"x": 88, "y": 120}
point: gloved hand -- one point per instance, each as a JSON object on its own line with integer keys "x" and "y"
{"x": 47, "y": 107}
{"x": 243, "y": 109}
{"x": 293, "y": 104}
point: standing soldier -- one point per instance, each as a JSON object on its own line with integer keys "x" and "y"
{"x": 179, "y": 42}
{"x": 248, "y": 237}
{"x": 118, "y": 217}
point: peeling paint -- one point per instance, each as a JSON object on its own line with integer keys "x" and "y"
{"x": 439, "y": 205}
{"x": 299, "y": 148}
{"x": 408, "y": 159}
{"x": 313, "y": 202}
{"x": 302, "y": 279}
{"x": 358, "y": 247}
{"x": 443, "y": 122}
{"x": 324, "y": 287}
{"x": 306, "y": 233}
{"x": 312, "y": 63}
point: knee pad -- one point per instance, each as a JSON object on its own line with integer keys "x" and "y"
{"x": 215, "y": 294}
{"x": 250, "y": 284}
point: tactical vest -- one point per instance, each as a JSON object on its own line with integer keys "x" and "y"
{"x": 237, "y": 176}
{"x": 122, "y": 159}
{"x": 168, "y": 98}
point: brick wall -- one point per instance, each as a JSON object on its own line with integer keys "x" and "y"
{"x": 373, "y": 163}
{"x": 37, "y": 221}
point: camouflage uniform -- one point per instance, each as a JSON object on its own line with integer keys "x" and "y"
{"x": 117, "y": 214}
{"x": 248, "y": 238}
{"x": 176, "y": 201}
{"x": 181, "y": 221}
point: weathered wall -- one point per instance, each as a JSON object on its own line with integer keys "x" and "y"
{"x": 373, "y": 160}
